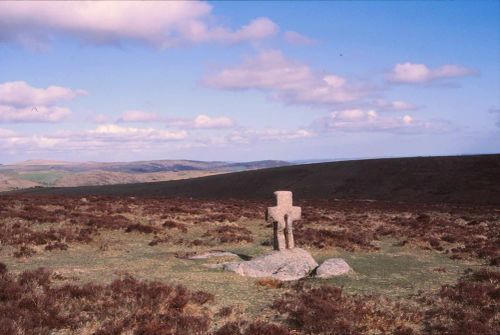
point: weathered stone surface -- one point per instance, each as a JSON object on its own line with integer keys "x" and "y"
{"x": 282, "y": 216}
{"x": 332, "y": 267}
{"x": 212, "y": 254}
{"x": 289, "y": 264}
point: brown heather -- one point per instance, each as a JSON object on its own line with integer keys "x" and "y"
{"x": 33, "y": 302}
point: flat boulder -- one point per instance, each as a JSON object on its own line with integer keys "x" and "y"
{"x": 284, "y": 265}
{"x": 333, "y": 267}
{"x": 212, "y": 254}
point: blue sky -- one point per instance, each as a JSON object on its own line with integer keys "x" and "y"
{"x": 248, "y": 80}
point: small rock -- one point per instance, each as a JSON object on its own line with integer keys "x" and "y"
{"x": 285, "y": 265}
{"x": 332, "y": 267}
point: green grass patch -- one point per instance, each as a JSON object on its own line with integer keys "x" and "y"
{"x": 47, "y": 178}
{"x": 397, "y": 271}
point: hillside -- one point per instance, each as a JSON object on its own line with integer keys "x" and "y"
{"x": 8, "y": 183}
{"x": 454, "y": 179}
{"x": 66, "y": 174}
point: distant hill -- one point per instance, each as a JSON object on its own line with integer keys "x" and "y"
{"x": 59, "y": 173}
{"x": 455, "y": 179}
{"x": 140, "y": 166}
{"x": 9, "y": 182}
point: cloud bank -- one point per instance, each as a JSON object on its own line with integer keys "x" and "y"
{"x": 202, "y": 121}
{"x": 139, "y": 116}
{"x": 270, "y": 134}
{"x": 20, "y": 93}
{"x": 285, "y": 80}
{"x": 162, "y": 24}
{"x": 360, "y": 120}
{"x": 20, "y": 102}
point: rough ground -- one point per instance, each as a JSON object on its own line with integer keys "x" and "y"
{"x": 452, "y": 179}
{"x": 121, "y": 265}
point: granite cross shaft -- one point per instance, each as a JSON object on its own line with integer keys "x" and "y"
{"x": 282, "y": 216}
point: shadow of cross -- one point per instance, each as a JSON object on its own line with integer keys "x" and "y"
{"x": 282, "y": 216}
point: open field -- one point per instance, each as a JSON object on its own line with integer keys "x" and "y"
{"x": 117, "y": 265}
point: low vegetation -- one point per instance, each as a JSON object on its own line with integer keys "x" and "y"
{"x": 31, "y": 303}
{"x": 38, "y": 231}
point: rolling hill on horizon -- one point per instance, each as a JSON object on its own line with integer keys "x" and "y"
{"x": 48, "y": 173}
{"x": 452, "y": 179}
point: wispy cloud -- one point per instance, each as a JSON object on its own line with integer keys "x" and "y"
{"x": 103, "y": 137}
{"x": 410, "y": 73}
{"x": 15, "y": 141}
{"x": 98, "y": 118}
{"x": 295, "y": 38}
{"x": 20, "y": 93}
{"x": 159, "y": 23}
{"x": 117, "y": 133}
{"x": 360, "y": 120}
{"x": 285, "y": 80}
{"x": 396, "y": 105}
{"x": 139, "y": 116}
{"x": 270, "y": 134}
{"x": 33, "y": 114}
{"x": 202, "y": 121}
{"x": 113, "y": 138}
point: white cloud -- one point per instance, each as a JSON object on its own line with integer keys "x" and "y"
{"x": 11, "y": 140}
{"x": 114, "y": 138}
{"x": 402, "y": 105}
{"x": 410, "y": 73}
{"x": 396, "y": 105}
{"x": 159, "y": 23}
{"x": 285, "y": 80}
{"x": 294, "y": 37}
{"x": 252, "y": 135}
{"x": 4, "y": 133}
{"x": 257, "y": 29}
{"x": 33, "y": 114}
{"x": 20, "y": 93}
{"x": 104, "y": 138}
{"x": 371, "y": 120}
{"x": 205, "y": 121}
{"x": 20, "y": 102}
{"x": 139, "y": 116}
{"x": 202, "y": 121}
{"x": 126, "y": 134}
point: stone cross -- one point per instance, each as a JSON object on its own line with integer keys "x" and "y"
{"x": 282, "y": 216}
